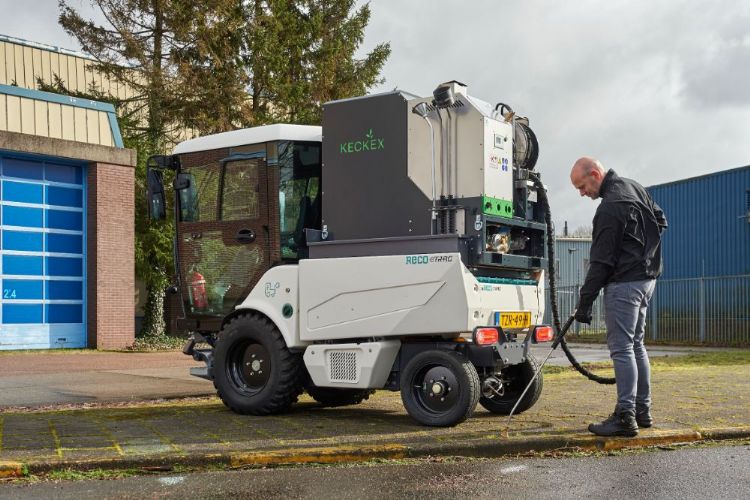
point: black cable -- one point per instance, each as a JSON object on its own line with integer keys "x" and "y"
{"x": 542, "y": 195}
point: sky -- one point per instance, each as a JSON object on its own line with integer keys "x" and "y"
{"x": 658, "y": 91}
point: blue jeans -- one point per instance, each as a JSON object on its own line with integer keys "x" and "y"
{"x": 625, "y": 306}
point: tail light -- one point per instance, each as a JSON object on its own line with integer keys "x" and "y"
{"x": 486, "y": 336}
{"x": 543, "y": 334}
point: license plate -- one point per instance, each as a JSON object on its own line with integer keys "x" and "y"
{"x": 513, "y": 320}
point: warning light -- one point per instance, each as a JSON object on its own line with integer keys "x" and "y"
{"x": 486, "y": 336}
{"x": 543, "y": 333}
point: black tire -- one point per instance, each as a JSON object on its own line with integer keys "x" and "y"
{"x": 518, "y": 377}
{"x": 331, "y": 396}
{"x": 455, "y": 399}
{"x": 254, "y": 371}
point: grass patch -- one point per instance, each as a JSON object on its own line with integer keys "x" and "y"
{"x": 74, "y": 475}
{"x": 704, "y": 359}
{"x": 600, "y": 337}
{"x": 723, "y": 358}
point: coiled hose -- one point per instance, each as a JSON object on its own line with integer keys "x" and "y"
{"x": 542, "y": 195}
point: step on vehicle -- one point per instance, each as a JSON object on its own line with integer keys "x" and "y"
{"x": 400, "y": 246}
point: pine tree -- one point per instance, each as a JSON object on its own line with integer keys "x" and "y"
{"x": 181, "y": 60}
{"x": 302, "y": 53}
{"x": 217, "y": 65}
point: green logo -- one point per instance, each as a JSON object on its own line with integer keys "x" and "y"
{"x": 369, "y": 143}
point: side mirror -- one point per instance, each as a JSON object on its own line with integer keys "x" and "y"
{"x": 155, "y": 200}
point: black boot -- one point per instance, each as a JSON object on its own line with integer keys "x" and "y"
{"x": 643, "y": 417}
{"x": 620, "y": 423}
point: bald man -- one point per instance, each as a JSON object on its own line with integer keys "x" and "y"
{"x": 625, "y": 260}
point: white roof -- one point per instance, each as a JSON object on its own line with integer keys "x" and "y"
{"x": 255, "y": 135}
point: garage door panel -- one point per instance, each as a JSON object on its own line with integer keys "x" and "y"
{"x": 22, "y": 313}
{"x": 41, "y": 336}
{"x": 64, "y": 290}
{"x": 22, "y": 192}
{"x": 23, "y": 241}
{"x": 23, "y": 289}
{"x": 64, "y": 313}
{"x": 22, "y": 169}
{"x": 23, "y": 216}
{"x": 64, "y": 243}
{"x": 64, "y": 266}
{"x": 64, "y": 173}
{"x": 42, "y": 269}
{"x": 23, "y": 265}
{"x": 59, "y": 219}
{"x": 64, "y": 197}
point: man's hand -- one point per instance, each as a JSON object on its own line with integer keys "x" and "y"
{"x": 583, "y": 313}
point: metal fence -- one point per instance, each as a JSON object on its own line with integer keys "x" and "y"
{"x": 713, "y": 310}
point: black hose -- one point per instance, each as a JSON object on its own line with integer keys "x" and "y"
{"x": 542, "y": 195}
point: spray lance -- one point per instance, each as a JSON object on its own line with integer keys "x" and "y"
{"x": 561, "y": 331}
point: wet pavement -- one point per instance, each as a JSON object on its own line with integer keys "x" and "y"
{"x": 703, "y": 472}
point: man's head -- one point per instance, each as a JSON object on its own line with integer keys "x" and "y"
{"x": 587, "y": 176}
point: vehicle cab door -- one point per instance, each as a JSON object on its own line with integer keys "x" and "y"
{"x": 222, "y": 232}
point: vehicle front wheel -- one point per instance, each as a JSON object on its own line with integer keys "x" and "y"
{"x": 439, "y": 388}
{"x": 254, "y": 371}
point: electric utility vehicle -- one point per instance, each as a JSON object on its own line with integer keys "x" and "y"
{"x": 400, "y": 246}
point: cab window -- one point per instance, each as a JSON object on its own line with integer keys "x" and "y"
{"x": 299, "y": 195}
{"x": 198, "y": 200}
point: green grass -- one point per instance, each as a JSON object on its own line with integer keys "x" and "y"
{"x": 600, "y": 337}
{"x": 721, "y": 358}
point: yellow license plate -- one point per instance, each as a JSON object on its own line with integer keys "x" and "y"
{"x": 513, "y": 320}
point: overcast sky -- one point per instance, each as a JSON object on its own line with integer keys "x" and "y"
{"x": 659, "y": 91}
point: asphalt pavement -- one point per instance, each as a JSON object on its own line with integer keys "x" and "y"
{"x": 705, "y": 472}
{"x": 31, "y": 380}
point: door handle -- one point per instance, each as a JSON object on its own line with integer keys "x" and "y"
{"x": 245, "y": 236}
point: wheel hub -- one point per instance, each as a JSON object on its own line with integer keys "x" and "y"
{"x": 252, "y": 368}
{"x": 437, "y": 389}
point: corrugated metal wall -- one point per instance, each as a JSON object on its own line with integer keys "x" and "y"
{"x": 709, "y": 228}
{"x": 22, "y": 63}
{"x": 571, "y": 260}
{"x": 704, "y": 294}
{"x": 32, "y": 114}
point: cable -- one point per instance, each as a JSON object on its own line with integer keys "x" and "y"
{"x": 542, "y": 194}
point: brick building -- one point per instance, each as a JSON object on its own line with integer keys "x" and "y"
{"x": 66, "y": 208}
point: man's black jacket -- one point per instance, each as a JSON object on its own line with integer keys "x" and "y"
{"x": 626, "y": 243}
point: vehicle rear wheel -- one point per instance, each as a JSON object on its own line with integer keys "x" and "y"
{"x": 517, "y": 377}
{"x": 331, "y": 396}
{"x": 439, "y": 388}
{"x": 254, "y": 371}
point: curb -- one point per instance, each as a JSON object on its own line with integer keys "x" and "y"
{"x": 480, "y": 447}
{"x": 11, "y": 469}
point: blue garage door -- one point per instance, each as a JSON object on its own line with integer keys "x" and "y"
{"x": 42, "y": 264}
